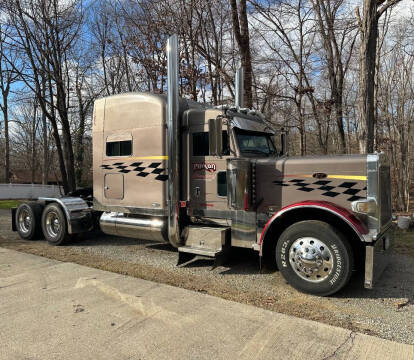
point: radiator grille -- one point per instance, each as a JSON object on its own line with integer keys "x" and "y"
{"x": 385, "y": 195}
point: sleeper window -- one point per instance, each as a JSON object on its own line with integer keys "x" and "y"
{"x": 119, "y": 148}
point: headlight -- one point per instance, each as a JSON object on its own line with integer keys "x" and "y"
{"x": 367, "y": 207}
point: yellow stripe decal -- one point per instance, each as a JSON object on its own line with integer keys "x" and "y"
{"x": 162, "y": 157}
{"x": 344, "y": 177}
{"x": 347, "y": 177}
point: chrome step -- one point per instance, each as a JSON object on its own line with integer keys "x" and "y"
{"x": 212, "y": 238}
{"x": 203, "y": 241}
{"x": 199, "y": 251}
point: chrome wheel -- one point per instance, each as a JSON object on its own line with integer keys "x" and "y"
{"x": 52, "y": 224}
{"x": 311, "y": 259}
{"x": 24, "y": 221}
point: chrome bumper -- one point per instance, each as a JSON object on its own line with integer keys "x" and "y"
{"x": 377, "y": 258}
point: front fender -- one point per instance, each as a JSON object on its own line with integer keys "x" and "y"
{"x": 344, "y": 214}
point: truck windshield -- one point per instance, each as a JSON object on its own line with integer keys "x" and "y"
{"x": 257, "y": 143}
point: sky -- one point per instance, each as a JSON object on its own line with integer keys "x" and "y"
{"x": 401, "y": 10}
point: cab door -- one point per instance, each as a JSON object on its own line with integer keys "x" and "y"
{"x": 207, "y": 173}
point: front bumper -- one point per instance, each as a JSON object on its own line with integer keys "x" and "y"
{"x": 377, "y": 256}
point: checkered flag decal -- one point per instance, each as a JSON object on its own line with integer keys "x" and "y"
{"x": 140, "y": 169}
{"x": 346, "y": 188}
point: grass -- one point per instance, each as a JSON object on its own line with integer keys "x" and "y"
{"x": 8, "y": 204}
{"x": 404, "y": 242}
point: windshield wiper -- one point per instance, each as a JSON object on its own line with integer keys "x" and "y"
{"x": 255, "y": 151}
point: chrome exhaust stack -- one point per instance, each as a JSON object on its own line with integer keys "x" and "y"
{"x": 239, "y": 88}
{"x": 173, "y": 143}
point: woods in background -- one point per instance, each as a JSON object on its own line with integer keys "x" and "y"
{"x": 302, "y": 60}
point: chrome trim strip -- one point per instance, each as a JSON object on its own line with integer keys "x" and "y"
{"x": 375, "y": 162}
{"x": 173, "y": 143}
{"x": 361, "y": 236}
{"x": 372, "y": 188}
{"x": 129, "y": 209}
{"x": 216, "y": 214}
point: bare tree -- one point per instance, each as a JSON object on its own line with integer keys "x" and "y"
{"x": 292, "y": 46}
{"x": 214, "y": 22}
{"x": 395, "y": 122}
{"x": 338, "y": 39}
{"x": 7, "y": 77}
{"x": 372, "y": 10}
{"x": 44, "y": 31}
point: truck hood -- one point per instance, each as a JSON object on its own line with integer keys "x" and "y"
{"x": 339, "y": 179}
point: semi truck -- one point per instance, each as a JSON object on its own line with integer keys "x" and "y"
{"x": 208, "y": 179}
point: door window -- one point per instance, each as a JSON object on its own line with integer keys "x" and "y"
{"x": 201, "y": 144}
{"x": 221, "y": 183}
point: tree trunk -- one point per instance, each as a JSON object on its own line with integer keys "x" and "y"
{"x": 79, "y": 139}
{"x": 340, "y": 120}
{"x": 45, "y": 167}
{"x": 7, "y": 140}
{"x": 368, "y": 27}
{"x": 58, "y": 143}
{"x": 33, "y": 144}
{"x": 367, "y": 54}
{"x": 67, "y": 138}
{"x": 241, "y": 32}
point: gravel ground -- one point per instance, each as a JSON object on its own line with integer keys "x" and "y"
{"x": 387, "y": 311}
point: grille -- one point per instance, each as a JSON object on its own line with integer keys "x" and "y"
{"x": 385, "y": 195}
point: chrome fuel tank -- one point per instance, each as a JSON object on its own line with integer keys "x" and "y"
{"x": 138, "y": 227}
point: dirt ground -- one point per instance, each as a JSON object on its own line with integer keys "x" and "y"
{"x": 386, "y": 311}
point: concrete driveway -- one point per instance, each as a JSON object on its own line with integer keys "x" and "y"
{"x": 57, "y": 310}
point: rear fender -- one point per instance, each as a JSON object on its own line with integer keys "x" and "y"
{"x": 77, "y": 213}
{"x": 360, "y": 229}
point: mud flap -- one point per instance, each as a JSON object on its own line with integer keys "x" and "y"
{"x": 222, "y": 258}
{"x": 184, "y": 257}
{"x": 13, "y": 218}
{"x": 377, "y": 257}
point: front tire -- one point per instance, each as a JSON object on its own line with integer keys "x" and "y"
{"x": 314, "y": 257}
{"x": 54, "y": 225}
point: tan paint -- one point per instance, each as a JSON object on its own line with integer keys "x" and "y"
{"x": 202, "y": 190}
{"x": 279, "y": 181}
{"x": 142, "y": 118}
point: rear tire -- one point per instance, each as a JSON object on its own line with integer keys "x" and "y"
{"x": 54, "y": 225}
{"x": 314, "y": 257}
{"x": 27, "y": 220}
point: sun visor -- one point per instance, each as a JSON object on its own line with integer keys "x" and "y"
{"x": 252, "y": 124}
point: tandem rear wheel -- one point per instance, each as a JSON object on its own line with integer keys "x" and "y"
{"x": 54, "y": 225}
{"x": 314, "y": 257}
{"x": 27, "y": 220}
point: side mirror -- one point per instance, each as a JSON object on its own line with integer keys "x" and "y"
{"x": 215, "y": 135}
{"x": 284, "y": 142}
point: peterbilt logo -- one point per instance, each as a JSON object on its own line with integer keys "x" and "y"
{"x": 211, "y": 167}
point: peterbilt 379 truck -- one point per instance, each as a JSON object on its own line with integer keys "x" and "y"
{"x": 207, "y": 179}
